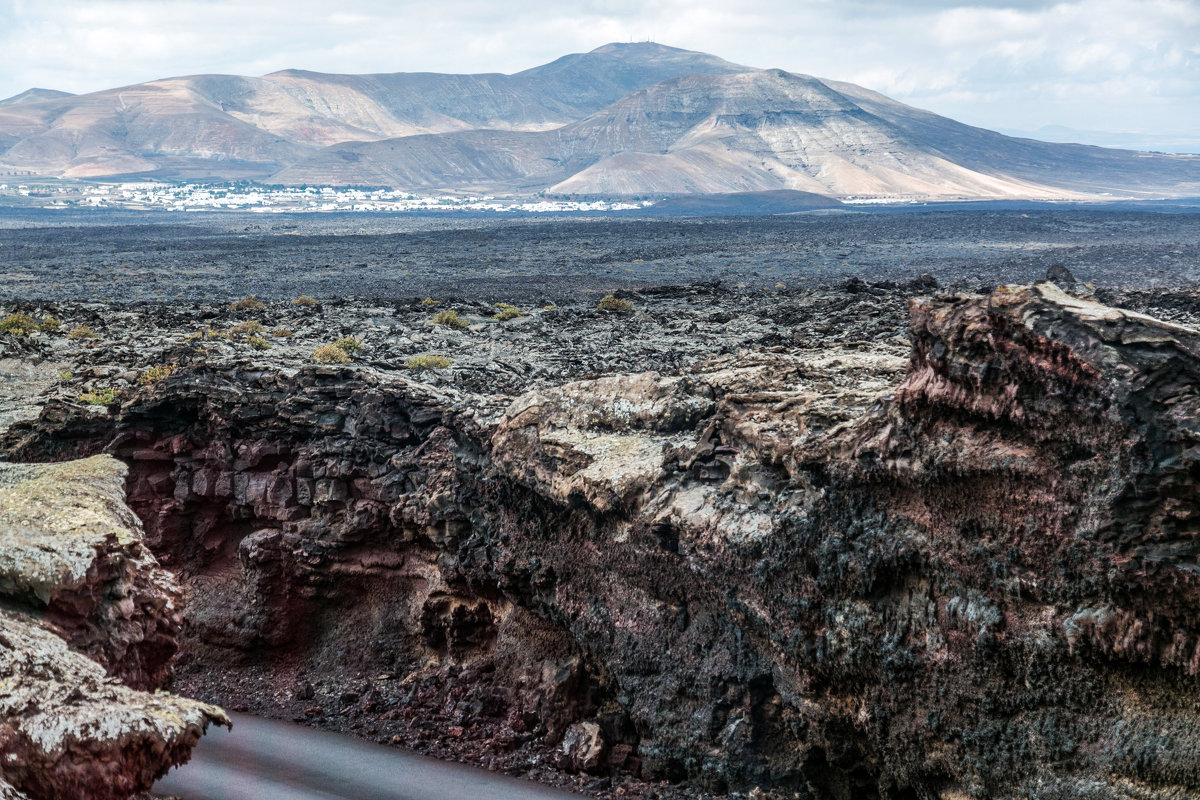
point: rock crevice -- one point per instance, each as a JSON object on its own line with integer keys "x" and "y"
{"x": 824, "y": 573}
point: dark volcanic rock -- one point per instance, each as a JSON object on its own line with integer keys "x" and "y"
{"x": 802, "y": 570}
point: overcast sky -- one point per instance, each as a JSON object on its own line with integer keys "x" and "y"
{"x": 1115, "y": 65}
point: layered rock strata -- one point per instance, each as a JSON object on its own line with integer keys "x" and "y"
{"x": 87, "y": 618}
{"x": 826, "y": 573}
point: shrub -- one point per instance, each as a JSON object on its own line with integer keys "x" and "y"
{"x": 450, "y": 319}
{"x": 156, "y": 374}
{"x": 83, "y": 332}
{"x": 429, "y": 301}
{"x": 330, "y": 354}
{"x": 247, "y": 327}
{"x": 428, "y": 362}
{"x": 49, "y": 324}
{"x": 65, "y": 375}
{"x": 349, "y": 344}
{"x": 507, "y": 314}
{"x": 283, "y": 333}
{"x": 19, "y": 324}
{"x": 307, "y": 302}
{"x": 258, "y": 343}
{"x": 214, "y": 334}
{"x": 610, "y": 303}
{"x": 247, "y": 303}
{"x": 99, "y": 397}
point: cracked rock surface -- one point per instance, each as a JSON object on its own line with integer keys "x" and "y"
{"x": 840, "y": 545}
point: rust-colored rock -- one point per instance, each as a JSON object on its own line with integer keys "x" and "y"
{"x": 82, "y": 596}
{"x": 813, "y": 572}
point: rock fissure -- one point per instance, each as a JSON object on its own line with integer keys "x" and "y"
{"x": 816, "y": 573}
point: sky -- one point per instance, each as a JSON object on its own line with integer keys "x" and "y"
{"x": 1094, "y": 65}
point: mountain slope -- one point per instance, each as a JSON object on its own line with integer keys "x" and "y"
{"x": 34, "y": 95}
{"x": 182, "y": 127}
{"x": 753, "y": 131}
{"x": 622, "y": 119}
{"x": 1073, "y": 166}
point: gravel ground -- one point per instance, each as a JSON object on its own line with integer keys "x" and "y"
{"x": 120, "y": 257}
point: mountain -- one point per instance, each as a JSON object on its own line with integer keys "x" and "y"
{"x": 33, "y": 95}
{"x": 624, "y": 119}
{"x": 230, "y": 126}
{"x": 751, "y": 131}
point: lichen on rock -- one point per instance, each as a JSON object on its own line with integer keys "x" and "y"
{"x": 961, "y": 567}
{"x": 89, "y": 618}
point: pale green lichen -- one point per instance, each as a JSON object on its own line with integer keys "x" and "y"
{"x": 54, "y": 521}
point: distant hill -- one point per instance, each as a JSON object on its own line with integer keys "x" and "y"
{"x": 624, "y": 119}
{"x": 213, "y": 126}
{"x": 33, "y": 95}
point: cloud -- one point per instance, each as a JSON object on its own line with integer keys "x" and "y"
{"x": 1108, "y": 64}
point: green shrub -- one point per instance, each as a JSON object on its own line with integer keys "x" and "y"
{"x": 99, "y": 397}
{"x": 19, "y": 324}
{"x": 610, "y": 303}
{"x": 450, "y": 319}
{"x": 307, "y": 302}
{"x": 507, "y": 311}
{"x": 349, "y": 344}
{"x": 156, "y": 374}
{"x": 330, "y": 354}
{"x": 258, "y": 343}
{"x": 49, "y": 324}
{"x": 428, "y": 362}
{"x": 429, "y": 301}
{"x": 65, "y": 375}
{"x": 83, "y": 332}
{"x": 247, "y": 327}
{"x": 247, "y": 303}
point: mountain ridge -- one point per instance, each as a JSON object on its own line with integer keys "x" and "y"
{"x": 621, "y": 119}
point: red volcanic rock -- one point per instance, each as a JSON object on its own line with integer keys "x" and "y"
{"x": 76, "y": 581}
{"x": 819, "y": 573}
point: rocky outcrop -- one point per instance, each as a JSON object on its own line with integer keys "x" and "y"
{"x": 71, "y": 551}
{"x": 828, "y": 573}
{"x": 82, "y": 595}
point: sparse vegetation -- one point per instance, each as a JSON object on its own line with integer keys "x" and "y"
{"x": 247, "y": 303}
{"x": 65, "y": 375}
{"x": 283, "y": 333}
{"x": 507, "y": 312}
{"x": 99, "y": 397}
{"x": 82, "y": 332}
{"x": 330, "y": 354}
{"x": 246, "y": 328}
{"x": 611, "y": 303}
{"x": 429, "y": 301}
{"x": 450, "y": 319}
{"x": 156, "y": 374}
{"x": 307, "y": 302}
{"x": 258, "y": 343}
{"x": 349, "y": 344}
{"x": 49, "y": 324}
{"x": 19, "y": 324}
{"x": 428, "y": 362}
